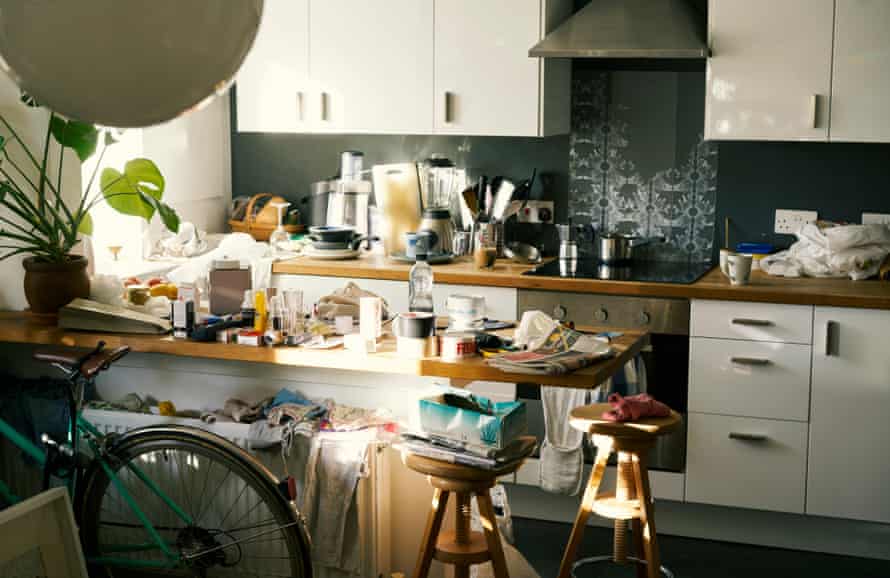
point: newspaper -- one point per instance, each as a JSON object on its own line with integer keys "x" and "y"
{"x": 563, "y": 351}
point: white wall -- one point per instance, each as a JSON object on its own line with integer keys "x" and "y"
{"x": 31, "y": 125}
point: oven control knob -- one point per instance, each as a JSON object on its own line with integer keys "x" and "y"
{"x": 601, "y": 315}
{"x": 645, "y": 318}
{"x": 560, "y": 313}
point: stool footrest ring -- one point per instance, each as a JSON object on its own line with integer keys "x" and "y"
{"x": 599, "y": 559}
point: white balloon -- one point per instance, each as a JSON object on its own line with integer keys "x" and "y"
{"x": 125, "y": 63}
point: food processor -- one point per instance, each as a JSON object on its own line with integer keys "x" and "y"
{"x": 439, "y": 182}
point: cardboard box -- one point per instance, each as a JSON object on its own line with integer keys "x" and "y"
{"x": 507, "y": 422}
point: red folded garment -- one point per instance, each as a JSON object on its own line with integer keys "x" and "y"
{"x": 633, "y": 407}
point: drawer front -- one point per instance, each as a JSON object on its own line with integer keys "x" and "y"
{"x": 752, "y": 321}
{"x": 750, "y": 378}
{"x": 746, "y": 463}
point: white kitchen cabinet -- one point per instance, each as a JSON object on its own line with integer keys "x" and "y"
{"x": 861, "y": 78}
{"x": 849, "y": 464}
{"x": 372, "y": 65}
{"x": 769, "y": 73}
{"x": 273, "y": 86}
{"x": 485, "y": 81}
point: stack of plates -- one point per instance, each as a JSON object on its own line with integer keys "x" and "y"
{"x": 331, "y": 254}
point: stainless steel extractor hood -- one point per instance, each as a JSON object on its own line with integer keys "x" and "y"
{"x": 631, "y": 29}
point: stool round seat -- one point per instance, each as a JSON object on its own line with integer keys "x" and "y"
{"x": 457, "y": 472}
{"x": 589, "y": 418}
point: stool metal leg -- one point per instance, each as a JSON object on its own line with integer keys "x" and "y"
{"x": 431, "y": 533}
{"x": 492, "y": 536}
{"x": 604, "y": 449}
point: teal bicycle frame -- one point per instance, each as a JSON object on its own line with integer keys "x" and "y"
{"x": 94, "y": 438}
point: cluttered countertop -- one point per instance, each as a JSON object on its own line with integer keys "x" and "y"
{"x": 713, "y": 285}
{"x": 17, "y": 328}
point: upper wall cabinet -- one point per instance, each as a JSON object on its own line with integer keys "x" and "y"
{"x": 769, "y": 74}
{"x": 405, "y": 67}
{"x": 485, "y": 82}
{"x": 861, "y": 82}
{"x": 372, "y": 64}
{"x": 273, "y": 85}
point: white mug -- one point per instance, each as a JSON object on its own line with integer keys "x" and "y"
{"x": 465, "y": 311}
{"x": 724, "y": 266}
{"x": 739, "y": 267}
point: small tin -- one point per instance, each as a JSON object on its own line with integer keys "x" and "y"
{"x": 456, "y": 346}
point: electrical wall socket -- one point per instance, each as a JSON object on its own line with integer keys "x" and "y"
{"x": 875, "y": 219}
{"x": 789, "y": 222}
{"x": 536, "y": 212}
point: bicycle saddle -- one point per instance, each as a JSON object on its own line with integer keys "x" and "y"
{"x": 89, "y": 365}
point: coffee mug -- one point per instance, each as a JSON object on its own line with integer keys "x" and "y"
{"x": 417, "y": 325}
{"x": 422, "y": 240}
{"x": 465, "y": 311}
{"x": 724, "y": 266}
{"x": 739, "y": 268}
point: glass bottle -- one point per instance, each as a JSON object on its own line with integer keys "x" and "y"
{"x": 279, "y": 236}
{"x": 420, "y": 282}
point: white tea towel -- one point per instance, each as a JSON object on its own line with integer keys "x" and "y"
{"x": 562, "y": 453}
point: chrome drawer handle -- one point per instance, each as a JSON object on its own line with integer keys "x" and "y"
{"x": 749, "y": 361}
{"x": 753, "y": 322}
{"x": 747, "y": 437}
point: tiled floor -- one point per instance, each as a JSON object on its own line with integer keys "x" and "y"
{"x": 542, "y": 544}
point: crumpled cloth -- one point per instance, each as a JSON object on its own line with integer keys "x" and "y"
{"x": 854, "y": 251}
{"x": 244, "y": 412}
{"x": 345, "y": 301}
{"x": 634, "y": 407}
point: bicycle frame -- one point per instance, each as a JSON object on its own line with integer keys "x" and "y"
{"x": 94, "y": 438}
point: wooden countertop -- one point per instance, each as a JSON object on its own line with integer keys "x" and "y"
{"x": 17, "y": 328}
{"x": 763, "y": 288}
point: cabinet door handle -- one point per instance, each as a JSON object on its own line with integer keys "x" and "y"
{"x": 814, "y": 111}
{"x": 324, "y": 106}
{"x": 749, "y": 361}
{"x": 747, "y": 437}
{"x": 830, "y": 342}
{"x": 300, "y": 114}
{"x": 753, "y": 322}
{"x": 449, "y": 107}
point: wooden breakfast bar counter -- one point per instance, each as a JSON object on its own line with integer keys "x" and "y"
{"x": 16, "y": 328}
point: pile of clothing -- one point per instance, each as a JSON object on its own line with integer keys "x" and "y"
{"x": 854, "y": 251}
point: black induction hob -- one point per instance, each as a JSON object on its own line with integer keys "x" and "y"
{"x": 680, "y": 272}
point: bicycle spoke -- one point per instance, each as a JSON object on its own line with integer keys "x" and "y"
{"x": 232, "y": 509}
{"x": 220, "y": 485}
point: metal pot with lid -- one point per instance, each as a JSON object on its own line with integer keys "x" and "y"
{"x": 618, "y": 248}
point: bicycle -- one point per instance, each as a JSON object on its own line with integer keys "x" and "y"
{"x": 161, "y": 498}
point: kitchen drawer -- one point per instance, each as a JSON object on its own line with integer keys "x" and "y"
{"x": 767, "y": 471}
{"x": 752, "y": 321}
{"x": 749, "y": 378}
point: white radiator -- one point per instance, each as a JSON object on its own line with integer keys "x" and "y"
{"x": 372, "y": 494}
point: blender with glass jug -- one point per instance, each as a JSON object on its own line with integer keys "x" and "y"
{"x": 439, "y": 181}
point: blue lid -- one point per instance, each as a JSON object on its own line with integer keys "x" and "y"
{"x": 758, "y": 248}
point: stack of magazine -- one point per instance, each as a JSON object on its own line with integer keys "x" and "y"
{"x": 457, "y": 452}
{"x": 563, "y": 351}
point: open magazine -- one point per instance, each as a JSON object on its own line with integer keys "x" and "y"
{"x": 562, "y": 351}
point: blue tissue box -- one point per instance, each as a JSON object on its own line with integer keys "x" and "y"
{"x": 496, "y": 431}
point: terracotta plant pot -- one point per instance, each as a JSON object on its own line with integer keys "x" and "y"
{"x": 51, "y": 286}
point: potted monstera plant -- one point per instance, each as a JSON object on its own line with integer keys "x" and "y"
{"x": 35, "y": 219}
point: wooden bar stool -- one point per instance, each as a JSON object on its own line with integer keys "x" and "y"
{"x": 632, "y": 500}
{"x": 462, "y": 547}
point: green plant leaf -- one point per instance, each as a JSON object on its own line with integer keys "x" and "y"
{"x": 79, "y": 136}
{"x": 123, "y": 196}
{"x": 86, "y": 225}
{"x": 145, "y": 176}
{"x": 168, "y": 217}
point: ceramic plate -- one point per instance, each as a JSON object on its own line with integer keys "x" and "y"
{"x": 431, "y": 259}
{"x": 332, "y": 255}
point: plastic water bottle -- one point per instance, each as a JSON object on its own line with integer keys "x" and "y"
{"x": 420, "y": 282}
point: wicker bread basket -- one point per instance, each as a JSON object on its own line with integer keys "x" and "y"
{"x": 261, "y": 225}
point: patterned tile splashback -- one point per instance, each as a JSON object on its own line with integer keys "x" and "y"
{"x": 631, "y": 172}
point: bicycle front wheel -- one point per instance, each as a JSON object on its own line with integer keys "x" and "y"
{"x": 217, "y": 511}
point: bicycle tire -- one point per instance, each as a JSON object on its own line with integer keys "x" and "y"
{"x": 178, "y": 449}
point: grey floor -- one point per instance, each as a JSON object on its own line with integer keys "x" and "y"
{"x": 542, "y": 544}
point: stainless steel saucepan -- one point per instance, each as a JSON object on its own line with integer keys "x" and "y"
{"x": 615, "y": 248}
